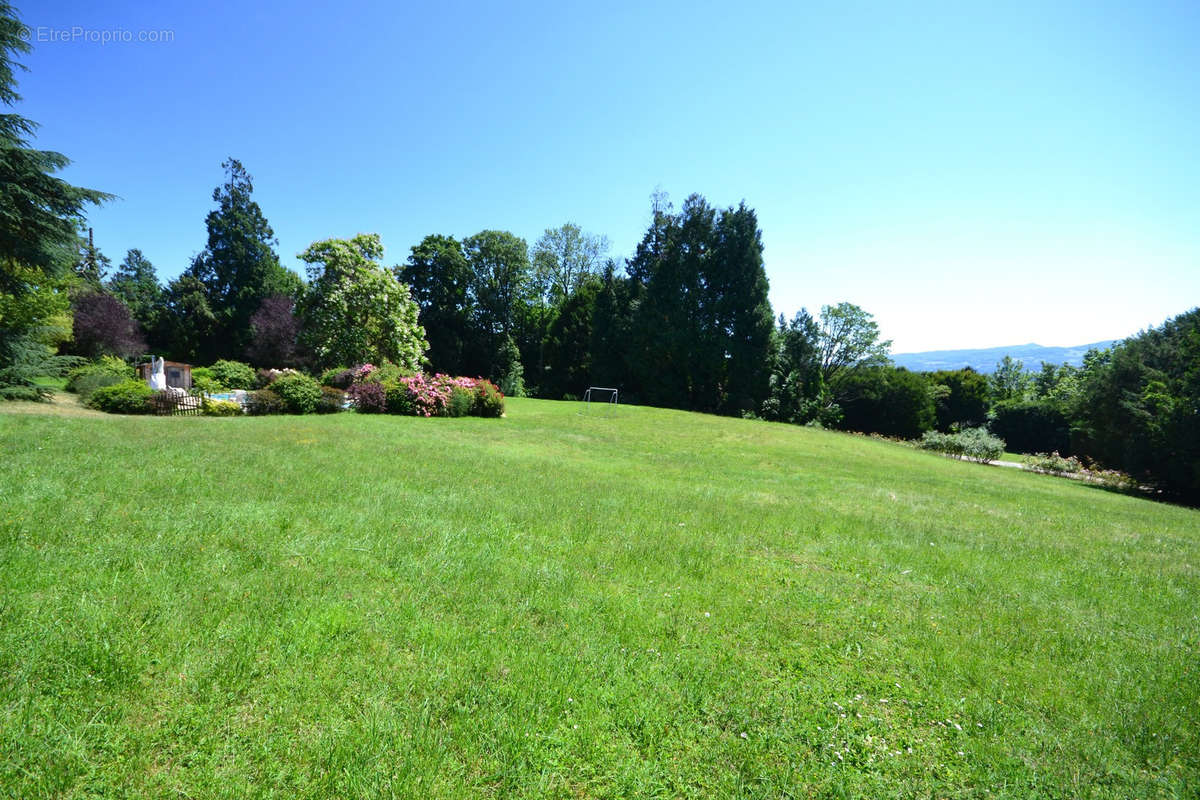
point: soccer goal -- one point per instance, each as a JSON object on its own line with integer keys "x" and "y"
{"x": 600, "y": 394}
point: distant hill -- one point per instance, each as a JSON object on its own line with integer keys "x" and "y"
{"x": 985, "y": 359}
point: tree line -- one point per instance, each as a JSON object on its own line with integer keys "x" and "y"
{"x": 685, "y": 322}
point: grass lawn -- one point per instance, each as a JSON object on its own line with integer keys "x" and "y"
{"x": 652, "y": 603}
{"x": 51, "y": 382}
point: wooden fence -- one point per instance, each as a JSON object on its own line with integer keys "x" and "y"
{"x": 175, "y": 405}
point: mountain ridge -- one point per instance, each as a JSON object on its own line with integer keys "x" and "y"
{"x": 985, "y": 359}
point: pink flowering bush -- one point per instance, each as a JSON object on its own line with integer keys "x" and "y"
{"x": 391, "y": 389}
{"x": 441, "y": 395}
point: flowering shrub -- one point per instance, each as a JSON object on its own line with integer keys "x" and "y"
{"x": 386, "y": 373}
{"x": 489, "y": 401}
{"x": 266, "y": 377}
{"x": 392, "y": 389}
{"x": 425, "y": 396}
{"x": 367, "y": 398}
{"x": 1052, "y": 462}
{"x": 973, "y": 444}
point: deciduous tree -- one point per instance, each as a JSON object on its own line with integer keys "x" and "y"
{"x": 849, "y": 340}
{"x": 563, "y": 258}
{"x": 275, "y": 332}
{"x": 103, "y": 326}
{"x": 439, "y": 277}
{"x": 354, "y": 310}
{"x": 500, "y": 283}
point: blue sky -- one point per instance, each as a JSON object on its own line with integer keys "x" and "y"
{"x": 972, "y": 174}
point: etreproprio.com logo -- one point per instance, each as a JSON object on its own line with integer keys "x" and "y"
{"x": 78, "y": 34}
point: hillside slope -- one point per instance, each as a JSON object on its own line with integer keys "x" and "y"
{"x": 562, "y": 604}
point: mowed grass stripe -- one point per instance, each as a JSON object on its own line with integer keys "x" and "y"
{"x": 559, "y": 604}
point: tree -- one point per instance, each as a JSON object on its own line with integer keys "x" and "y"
{"x": 888, "y": 400}
{"x": 1138, "y": 406}
{"x": 563, "y": 258}
{"x": 238, "y": 267}
{"x": 1009, "y": 382}
{"x": 795, "y": 392}
{"x": 569, "y": 343}
{"x": 702, "y": 330}
{"x": 275, "y": 333}
{"x": 439, "y": 277}
{"x": 1032, "y": 426}
{"x": 354, "y": 310}
{"x": 40, "y": 216}
{"x": 93, "y": 265}
{"x": 136, "y": 285}
{"x": 672, "y": 358}
{"x": 500, "y": 283}
{"x": 510, "y": 374}
{"x": 187, "y": 328}
{"x": 612, "y": 332}
{"x": 103, "y": 326}
{"x": 849, "y": 340}
{"x": 962, "y": 399}
{"x": 741, "y": 311}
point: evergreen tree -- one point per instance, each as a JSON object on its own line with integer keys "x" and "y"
{"x": 92, "y": 266}
{"x": 742, "y": 320}
{"x": 963, "y": 400}
{"x": 569, "y": 343}
{"x": 136, "y": 285}
{"x": 795, "y": 389}
{"x": 702, "y": 329}
{"x": 40, "y": 216}
{"x": 239, "y": 267}
{"x": 612, "y": 332}
{"x": 186, "y": 328}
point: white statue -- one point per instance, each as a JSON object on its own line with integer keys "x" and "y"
{"x": 158, "y": 375}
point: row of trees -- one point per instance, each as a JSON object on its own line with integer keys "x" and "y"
{"x": 685, "y": 322}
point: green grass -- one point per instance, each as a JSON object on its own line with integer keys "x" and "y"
{"x": 51, "y": 382}
{"x": 1016, "y": 458}
{"x": 650, "y": 604}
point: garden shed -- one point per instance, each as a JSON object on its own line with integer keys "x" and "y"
{"x": 179, "y": 375}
